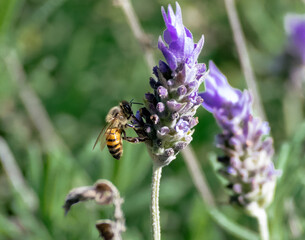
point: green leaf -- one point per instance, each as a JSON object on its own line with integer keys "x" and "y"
{"x": 8, "y": 229}
{"x": 283, "y": 156}
{"x": 35, "y": 166}
{"x": 232, "y": 227}
{"x": 7, "y": 8}
{"x": 134, "y": 166}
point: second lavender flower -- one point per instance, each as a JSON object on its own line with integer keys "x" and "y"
{"x": 247, "y": 161}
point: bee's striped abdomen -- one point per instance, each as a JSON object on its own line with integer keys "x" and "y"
{"x": 114, "y": 142}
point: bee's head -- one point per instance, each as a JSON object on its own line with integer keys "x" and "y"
{"x": 126, "y": 108}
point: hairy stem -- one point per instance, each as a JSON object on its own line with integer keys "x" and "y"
{"x": 155, "y": 214}
{"x": 244, "y": 58}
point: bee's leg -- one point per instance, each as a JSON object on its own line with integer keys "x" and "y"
{"x": 134, "y": 139}
{"x": 132, "y": 126}
{"x": 123, "y": 133}
{"x": 129, "y": 125}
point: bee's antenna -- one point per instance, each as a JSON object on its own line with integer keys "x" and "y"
{"x": 132, "y": 102}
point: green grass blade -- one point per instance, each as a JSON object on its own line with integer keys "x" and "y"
{"x": 232, "y": 227}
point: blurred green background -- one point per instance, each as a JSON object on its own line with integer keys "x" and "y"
{"x": 81, "y": 58}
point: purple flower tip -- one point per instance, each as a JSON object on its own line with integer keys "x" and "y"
{"x": 295, "y": 29}
{"x": 181, "y": 47}
{"x": 223, "y": 100}
{"x": 218, "y": 92}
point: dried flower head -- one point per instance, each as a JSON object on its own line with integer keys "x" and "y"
{"x": 104, "y": 193}
{"x": 247, "y": 161}
{"x": 168, "y": 118}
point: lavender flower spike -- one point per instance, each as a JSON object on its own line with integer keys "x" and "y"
{"x": 168, "y": 118}
{"x": 247, "y": 161}
{"x": 295, "y": 29}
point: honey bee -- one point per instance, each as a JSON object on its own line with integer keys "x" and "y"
{"x": 112, "y": 134}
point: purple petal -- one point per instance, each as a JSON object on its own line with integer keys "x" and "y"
{"x": 163, "y": 67}
{"x": 182, "y": 127}
{"x": 193, "y": 97}
{"x": 193, "y": 85}
{"x": 231, "y": 171}
{"x": 164, "y": 130}
{"x": 169, "y": 56}
{"x": 179, "y": 39}
{"x": 188, "y": 33}
{"x": 198, "y": 49}
{"x": 201, "y": 69}
{"x": 181, "y": 90}
{"x": 173, "y": 105}
{"x": 167, "y": 37}
{"x": 199, "y": 100}
{"x": 218, "y": 93}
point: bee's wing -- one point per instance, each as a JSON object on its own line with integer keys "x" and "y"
{"x": 101, "y": 137}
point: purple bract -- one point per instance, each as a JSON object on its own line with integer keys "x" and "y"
{"x": 181, "y": 48}
{"x": 229, "y": 105}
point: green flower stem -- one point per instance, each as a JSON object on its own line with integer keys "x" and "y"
{"x": 155, "y": 214}
{"x": 262, "y": 219}
{"x": 243, "y": 54}
{"x": 263, "y": 225}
